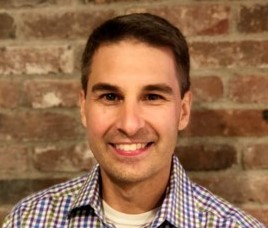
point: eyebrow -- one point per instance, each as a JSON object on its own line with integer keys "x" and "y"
{"x": 104, "y": 87}
{"x": 148, "y": 88}
{"x": 159, "y": 87}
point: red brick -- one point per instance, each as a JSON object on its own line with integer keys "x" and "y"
{"x": 10, "y": 94}
{"x": 207, "y": 89}
{"x": 31, "y": 126}
{"x": 228, "y": 123}
{"x": 229, "y": 54}
{"x": 31, "y": 3}
{"x": 67, "y": 2}
{"x": 253, "y": 18}
{"x": 111, "y": 1}
{"x": 36, "y": 60}
{"x": 249, "y": 89}
{"x": 79, "y": 49}
{"x": 193, "y": 20}
{"x": 7, "y": 27}
{"x": 259, "y": 213}
{"x": 4, "y": 4}
{"x": 12, "y": 191}
{"x": 208, "y": 157}
{"x": 256, "y": 156}
{"x": 13, "y": 159}
{"x": 237, "y": 187}
{"x": 48, "y": 93}
{"x": 71, "y": 24}
{"x": 65, "y": 158}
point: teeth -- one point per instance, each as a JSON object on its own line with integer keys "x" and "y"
{"x": 130, "y": 147}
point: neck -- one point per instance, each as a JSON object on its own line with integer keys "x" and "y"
{"x": 135, "y": 198}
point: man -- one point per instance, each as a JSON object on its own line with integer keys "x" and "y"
{"x": 135, "y": 98}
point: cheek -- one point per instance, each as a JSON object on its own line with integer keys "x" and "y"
{"x": 165, "y": 120}
{"x": 165, "y": 115}
{"x": 98, "y": 120}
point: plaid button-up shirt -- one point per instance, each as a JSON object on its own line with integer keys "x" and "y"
{"x": 77, "y": 204}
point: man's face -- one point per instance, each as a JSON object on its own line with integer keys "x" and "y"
{"x": 133, "y": 111}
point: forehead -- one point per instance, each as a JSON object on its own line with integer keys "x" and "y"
{"x": 133, "y": 61}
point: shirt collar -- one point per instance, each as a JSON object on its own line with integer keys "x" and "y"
{"x": 178, "y": 206}
{"x": 89, "y": 194}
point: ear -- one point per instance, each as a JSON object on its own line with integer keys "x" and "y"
{"x": 185, "y": 111}
{"x": 82, "y": 103}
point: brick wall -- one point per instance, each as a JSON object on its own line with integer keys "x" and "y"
{"x": 41, "y": 139}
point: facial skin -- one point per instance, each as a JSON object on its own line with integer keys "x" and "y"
{"x": 132, "y": 112}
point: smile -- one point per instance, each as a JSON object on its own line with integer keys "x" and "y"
{"x": 130, "y": 147}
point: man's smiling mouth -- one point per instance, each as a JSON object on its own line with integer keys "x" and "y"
{"x": 131, "y": 146}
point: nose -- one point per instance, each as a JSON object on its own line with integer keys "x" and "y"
{"x": 130, "y": 119}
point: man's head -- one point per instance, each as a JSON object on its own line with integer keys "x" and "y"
{"x": 146, "y": 28}
{"x": 134, "y": 105}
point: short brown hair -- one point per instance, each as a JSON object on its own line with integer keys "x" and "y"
{"x": 150, "y": 29}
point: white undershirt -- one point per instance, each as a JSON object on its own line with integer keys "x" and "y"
{"x": 122, "y": 220}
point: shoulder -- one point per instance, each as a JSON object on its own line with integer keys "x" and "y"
{"x": 218, "y": 211}
{"x": 56, "y": 198}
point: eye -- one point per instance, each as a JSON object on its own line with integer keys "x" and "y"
{"x": 153, "y": 97}
{"x": 110, "y": 98}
